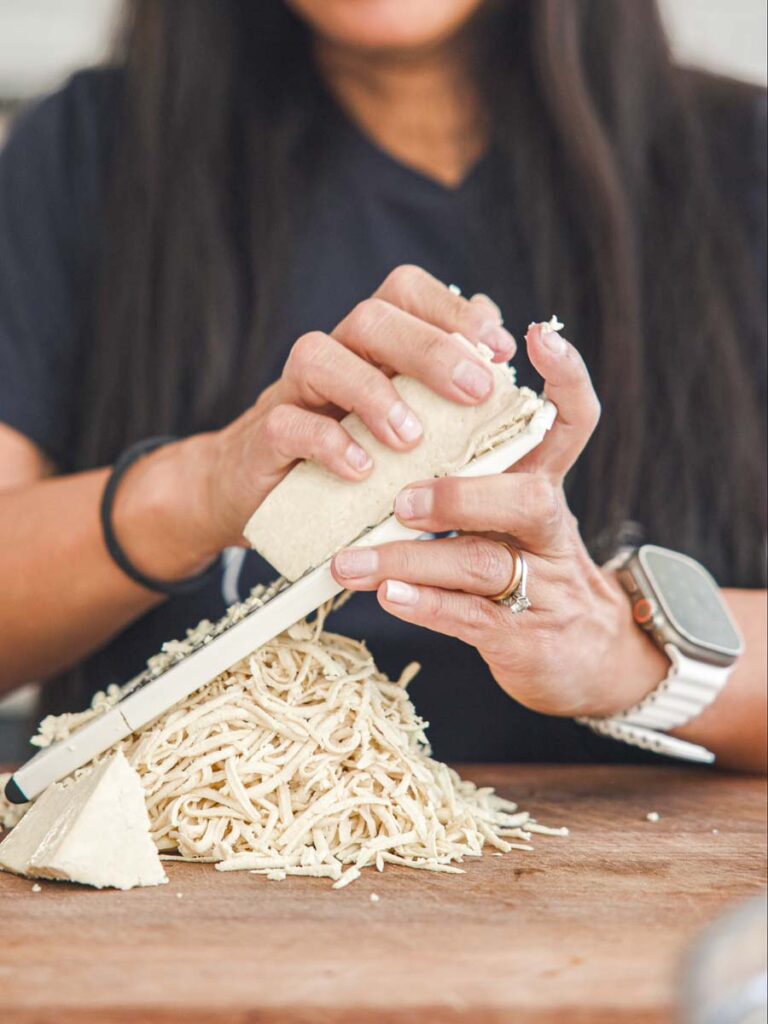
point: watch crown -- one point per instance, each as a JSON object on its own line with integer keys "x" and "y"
{"x": 643, "y": 611}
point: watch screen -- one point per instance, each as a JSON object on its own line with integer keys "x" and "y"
{"x": 691, "y": 599}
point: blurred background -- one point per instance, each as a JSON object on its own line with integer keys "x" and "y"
{"x": 43, "y": 41}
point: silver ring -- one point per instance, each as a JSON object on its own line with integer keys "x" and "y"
{"x": 516, "y": 597}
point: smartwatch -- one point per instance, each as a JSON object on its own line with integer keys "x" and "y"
{"x": 678, "y": 603}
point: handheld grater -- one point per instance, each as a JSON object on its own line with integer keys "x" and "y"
{"x": 242, "y": 629}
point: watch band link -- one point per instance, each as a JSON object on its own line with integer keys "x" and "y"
{"x": 647, "y": 739}
{"x": 689, "y": 688}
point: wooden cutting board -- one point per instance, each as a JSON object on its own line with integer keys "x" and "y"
{"x": 586, "y": 929}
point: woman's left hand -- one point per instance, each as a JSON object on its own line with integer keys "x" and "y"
{"x": 576, "y": 651}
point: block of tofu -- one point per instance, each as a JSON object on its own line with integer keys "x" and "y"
{"x": 311, "y": 514}
{"x": 94, "y": 831}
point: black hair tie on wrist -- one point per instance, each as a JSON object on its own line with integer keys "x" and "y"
{"x": 126, "y": 460}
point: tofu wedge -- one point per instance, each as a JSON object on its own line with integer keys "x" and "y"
{"x": 94, "y": 831}
{"x": 311, "y": 513}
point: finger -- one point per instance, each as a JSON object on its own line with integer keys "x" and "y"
{"x": 320, "y": 371}
{"x": 447, "y": 363}
{"x": 568, "y": 385}
{"x": 465, "y": 616}
{"x": 292, "y": 433}
{"x": 476, "y": 565}
{"x": 417, "y": 292}
{"x": 527, "y": 506}
{"x": 482, "y": 297}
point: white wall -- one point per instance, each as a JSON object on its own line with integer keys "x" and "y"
{"x": 43, "y": 40}
{"x": 723, "y": 35}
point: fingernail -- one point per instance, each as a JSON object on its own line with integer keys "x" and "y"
{"x": 497, "y": 338}
{"x": 356, "y": 562}
{"x": 404, "y": 422}
{"x": 474, "y": 380}
{"x": 358, "y": 458}
{"x": 552, "y": 341}
{"x": 400, "y": 593}
{"x": 414, "y": 503}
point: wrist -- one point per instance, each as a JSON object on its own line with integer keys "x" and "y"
{"x": 161, "y": 514}
{"x": 633, "y": 665}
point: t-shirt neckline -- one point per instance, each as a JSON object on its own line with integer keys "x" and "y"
{"x": 389, "y": 170}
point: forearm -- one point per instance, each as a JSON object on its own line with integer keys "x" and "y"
{"x": 734, "y": 727}
{"x": 62, "y": 595}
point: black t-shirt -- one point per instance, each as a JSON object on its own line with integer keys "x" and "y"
{"x": 370, "y": 215}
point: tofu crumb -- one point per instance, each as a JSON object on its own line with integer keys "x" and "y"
{"x": 498, "y": 855}
{"x": 653, "y": 816}
{"x": 548, "y": 326}
{"x": 374, "y": 898}
{"x": 37, "y": 888}
{"x": 454, "y": 289}
{"x": 179, "y": 895}
{"x": 715, "y": 831}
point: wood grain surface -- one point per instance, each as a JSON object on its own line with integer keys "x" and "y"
{"x": 589, "y": 928}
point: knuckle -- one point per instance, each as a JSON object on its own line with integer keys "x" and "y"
{"x": 484, "y": 560}
{"x": 474, "y": 315}
{"x": 544, "y": 501}
{"x": 277, "y": 423}
{"x": 437, "y": 604}
{"x": 552, "y": 505}
{"x": 594, "y": 412}
{"x": 326, "y": 439}
{"x": 405, "y": 560}
{"x": 373, "y": 392}
{"x": 434, "y": 349}
{"x": 405, "y": 278}
{"x": 304, "y": 354}
{"x": 442, "y": 605}
{"x": 369, "y": 314}
{"x": 572, "y": 522}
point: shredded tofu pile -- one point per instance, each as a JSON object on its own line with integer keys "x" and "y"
{"x": 304, "y": 759}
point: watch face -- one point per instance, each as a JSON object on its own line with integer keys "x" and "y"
{"x": 690, "y": 599}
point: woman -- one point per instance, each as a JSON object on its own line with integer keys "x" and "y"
{"x": 230, "y": 235}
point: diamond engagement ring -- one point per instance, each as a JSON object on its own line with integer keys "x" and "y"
{"x": 514, "y": 595}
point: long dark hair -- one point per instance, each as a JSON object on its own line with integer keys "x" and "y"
{"x": 602, "y": 139}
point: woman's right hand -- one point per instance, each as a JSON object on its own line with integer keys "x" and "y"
{"x": 199, "y": 493}
{"x": 407, "y": 326}
{"x": 178, "y": 507}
